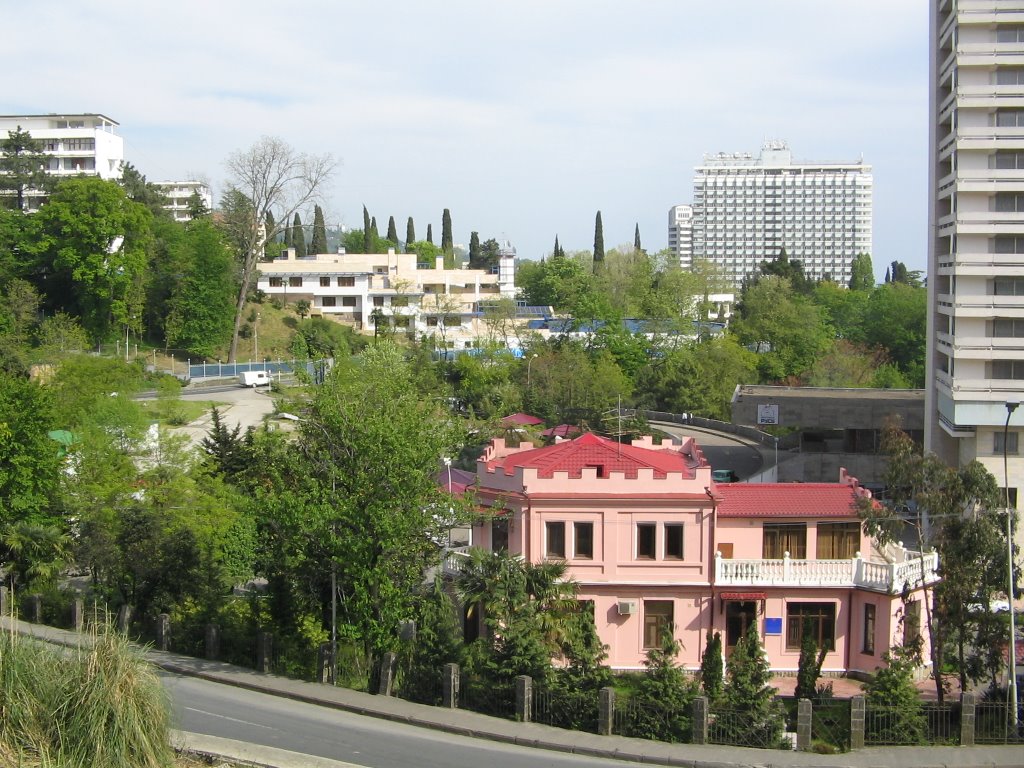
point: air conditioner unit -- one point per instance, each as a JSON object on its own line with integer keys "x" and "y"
{"x": 627, "y": 607}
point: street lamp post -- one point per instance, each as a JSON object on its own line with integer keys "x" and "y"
{"x": 528, "y": 364}
{"x": 1011, "y": 686}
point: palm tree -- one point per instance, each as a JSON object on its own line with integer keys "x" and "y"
{"x": 33, "y": 552}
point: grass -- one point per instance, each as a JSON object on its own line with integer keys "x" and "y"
{"x": 100, "y": 706}
{"x": 176, "y": 413}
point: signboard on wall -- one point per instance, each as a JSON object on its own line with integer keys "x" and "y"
{"x": 773, "y": 626}
{"x": 767, "y": 414}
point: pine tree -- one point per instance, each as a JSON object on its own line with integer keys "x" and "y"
{"x": 224, "y": 447}
{"x": 809, "y": 666}
{"x": 410, "y": 233}
{"x": 474, "y": 250}
{"x": 298, "y": 237}
{"x": 598, "y": 242}
{"x": 392, "y": 231}
{"x": 367, "y": 232}
{"x": 23, "y": 164}
{"x": 636, "y": 239}
{"x": 712, "y": 667}
{"x": 447, "y": 243}
{"x": 319, "y": 241}
{"x": 754, "y": 720}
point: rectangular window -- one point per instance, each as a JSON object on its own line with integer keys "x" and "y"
{"x": 1007, "y": 244}
{"x": 657, "y": 620}
{"x": 673, "y": 541}
{"x": 1007, "y": 34}
{"x": 1006, "y": 160}
{"x": 838, "y": 541}
{"x": 346, "y": 282}
{"x": 1008, "y": 328}
{"x": 499, "y": 535}
{"x": 329, "y": 301}
{"x": 1007, "y": 202}
{"x": 1008, "y": 286}
{"x": 912, "y": 623}
{"x": 1010, "y": 444}
{"x": 325, "y": 282}
{"x": 431, "y": 322}
{"x": 583, "y": 537}
{"x": 868, "y": 644}
{"x": 378, "y": 301}
{"x": 276, "y": 282}
{"x": 1009, "y": 118}
{"x": 1012, "y": 370}
{"x": 819, "y": 619}
{"x": 399, "y": 301}
{"x": 782, "y": 538}
{"x": 646, "y": 541}
{"x": 348, "y": 301}
{"x": 555, "y": 546}
{"x": 294, "y": 282}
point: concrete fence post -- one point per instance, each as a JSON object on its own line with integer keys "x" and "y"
{"x": 524, "y": 698}
{"x": 857, "y": 714}
{"x": 35, "y": 608}
{"x": 804, "y": 716}
{"x": 968, "y": 721}
{"x": 700, "y": 720}
{"x": 606, "y": 711}
{"x": 450, "y": 686}
{"x": 212, "y": 642}
{"x": 323, "y": 663}
{"x": 264, "y": 651}
{"x": 163, "y": 632}
{"x": 124, "y": 618}
{"x": 387, "y": 674}
{"x": 77, "y": 614}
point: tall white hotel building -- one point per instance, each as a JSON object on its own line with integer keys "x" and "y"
{"x": 976, "y": 236}
{"x": 747, "y": 209}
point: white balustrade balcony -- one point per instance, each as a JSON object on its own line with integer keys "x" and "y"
{"x": 913, "y": 570}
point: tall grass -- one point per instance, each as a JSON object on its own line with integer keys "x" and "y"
{"x": 99, "y": 706}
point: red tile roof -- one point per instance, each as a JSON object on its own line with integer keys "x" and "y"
{"x": 786, "y": 500}
{"x": 521, "y": 418}
{"x": 562, "y": 430}
{"x": 590, "y": 450}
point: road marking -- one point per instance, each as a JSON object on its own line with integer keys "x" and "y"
{"x": 232, "y": 719}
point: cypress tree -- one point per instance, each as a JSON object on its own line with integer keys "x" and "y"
{"x": 367, "y": 234}
{"x": 319, "y": 242}
{"x": 809, "y": 666}
{"x": 757, "y": 720}
{"x": 598, "y": 242}
{"x": 636, "y": 238}
{"x": 430, "y": 234}
{"x": 712, "y": 667}
{"x": 888, "y": 275}
{"x": 270, "y": 249}
{"x": 474, "y": 250}
{"x": 410, "y": 233}
{"x": 447, "y": 244}
{"x": 557, "y": 253}
{"x": 392, "y": 231}
{"x": 373, "y": 229}
{"x": 298, "y": 237}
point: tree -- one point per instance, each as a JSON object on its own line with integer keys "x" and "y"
{"x": 298, "y": 237}
{"x": 269, "y": 175}
{"x": 598, "y": 242}
{"x": 892, "y": 691}
{"x": 757, "y": 720}
{"x": 474, "y": 250}
{"x": 430, "y": 234}
{"x": 93, "y": 243}
{"x": 862, "y": 274}
{"x": 200, "y": 309}
{"x": 636, "y": 238}
{"x": 30, "y": 460}
{"x": 447, "y": 243}
{"x": 664, "y": 697}
{"x": 23, "y": 165}
{"x": 410, "y": 233}
{"x": 197, "y": 207}
{"x": 557, "y": 252}
{"x": 367, "y": 232}
{"x": 141, "y": 191}
{"x": 392, "y": 235}
{"x": 809, "y": 665}
{"x": 302, "y": 308}
{"x": 792, "y": 270}
{"x": 318, "y": 244}
{"x": 712, "y": 668}
{"x": 896, "y": 319}
{"x": 271, "y": 249}
{"x": 224, "y": 447}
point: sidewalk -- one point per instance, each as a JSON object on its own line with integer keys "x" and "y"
{"x": 523, "y": 734}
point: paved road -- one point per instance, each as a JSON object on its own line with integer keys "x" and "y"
{"x": 238, "y": 406}
{"x": 721, "y": 451}
{"x": 254, "y": 718}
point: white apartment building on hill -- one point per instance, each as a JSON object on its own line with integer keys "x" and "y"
{"x": 975, "y": 359}
{"x": 680, "y": 234}
{"x": 179, "y": 196}
{"x": 747, "y": 209}
{"x": 392, "y": 289}
{"x": 77, "y": 144}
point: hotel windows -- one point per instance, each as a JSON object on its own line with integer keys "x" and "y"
{"x": 294, "y": 282}
{"x": 818, "y": 619}
{"x": 583, "y": 538}
{"x": 328, "y": 301}
{"x": 673, "y": 541}
{"x": 325, "y": 282}
{"x": 346, "y": 282}
{"x": 276, "y": 282}
{"x": 555, "y": 545}
{"x": 657, "y": 620}
{"x": 868, "y": 645}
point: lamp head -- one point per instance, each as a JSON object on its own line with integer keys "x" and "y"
{"x": 1011, "y": 404}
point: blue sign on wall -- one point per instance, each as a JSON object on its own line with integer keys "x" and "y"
{"x": 772, "y": 626}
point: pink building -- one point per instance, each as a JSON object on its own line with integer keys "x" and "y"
{"x": 651, "y": 539}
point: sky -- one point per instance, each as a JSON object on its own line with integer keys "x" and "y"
{"x": 523, "y": 118}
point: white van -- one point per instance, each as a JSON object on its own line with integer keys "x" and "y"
{"x": 253, "y": 378}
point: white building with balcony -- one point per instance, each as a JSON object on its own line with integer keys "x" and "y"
{"x": 393, "y": 290}
{"x": 747, "y": 210}
{"x": 179, "y": 197}
{"x": 975, "y": 357}
{"x": 680, "y": 234}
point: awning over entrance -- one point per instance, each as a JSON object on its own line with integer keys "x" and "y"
{"x": 743, "y": 596}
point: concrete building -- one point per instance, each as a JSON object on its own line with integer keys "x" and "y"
{"x": 179, "y": 196}
{"x": 976, "y": 235}
{"x": 747, "y": 209}
{"x": 654, "y": 542}
{"x": 77, "y": 144}
{"x": 680, "y": 233}
{"x": 391, "y": 289}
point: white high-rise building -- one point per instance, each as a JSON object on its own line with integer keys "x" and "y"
{"x": 747, "y": 210}
{"x": 975, "y": 359}
{"x": 680, "y": 233}
{"x": 77, "y": 144}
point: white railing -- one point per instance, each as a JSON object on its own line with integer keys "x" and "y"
{"x": 856, "y": 572}
{"x": 453, "y": 560}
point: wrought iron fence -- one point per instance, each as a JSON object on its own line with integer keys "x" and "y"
{"x": 926, "y": 723}
{"x": 993, "y": 724}
{"x": 742, "y": 728}
{"x": 487, "y": 698}
{"x": 644, "y": 718}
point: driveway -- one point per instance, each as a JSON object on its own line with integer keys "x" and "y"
{"x": 238, "y": 406}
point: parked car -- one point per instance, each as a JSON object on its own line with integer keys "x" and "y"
{"x": 724, "y": 476}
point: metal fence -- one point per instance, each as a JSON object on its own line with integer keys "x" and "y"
{"x": 741, "y": 728}
{"x": 643, "y": 718}
{"x": 993, "y": 724}
{"x": 929, "y": 723}
{"x": 218, "y": 370}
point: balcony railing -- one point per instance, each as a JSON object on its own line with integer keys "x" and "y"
{"x": 879, "y": 576}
